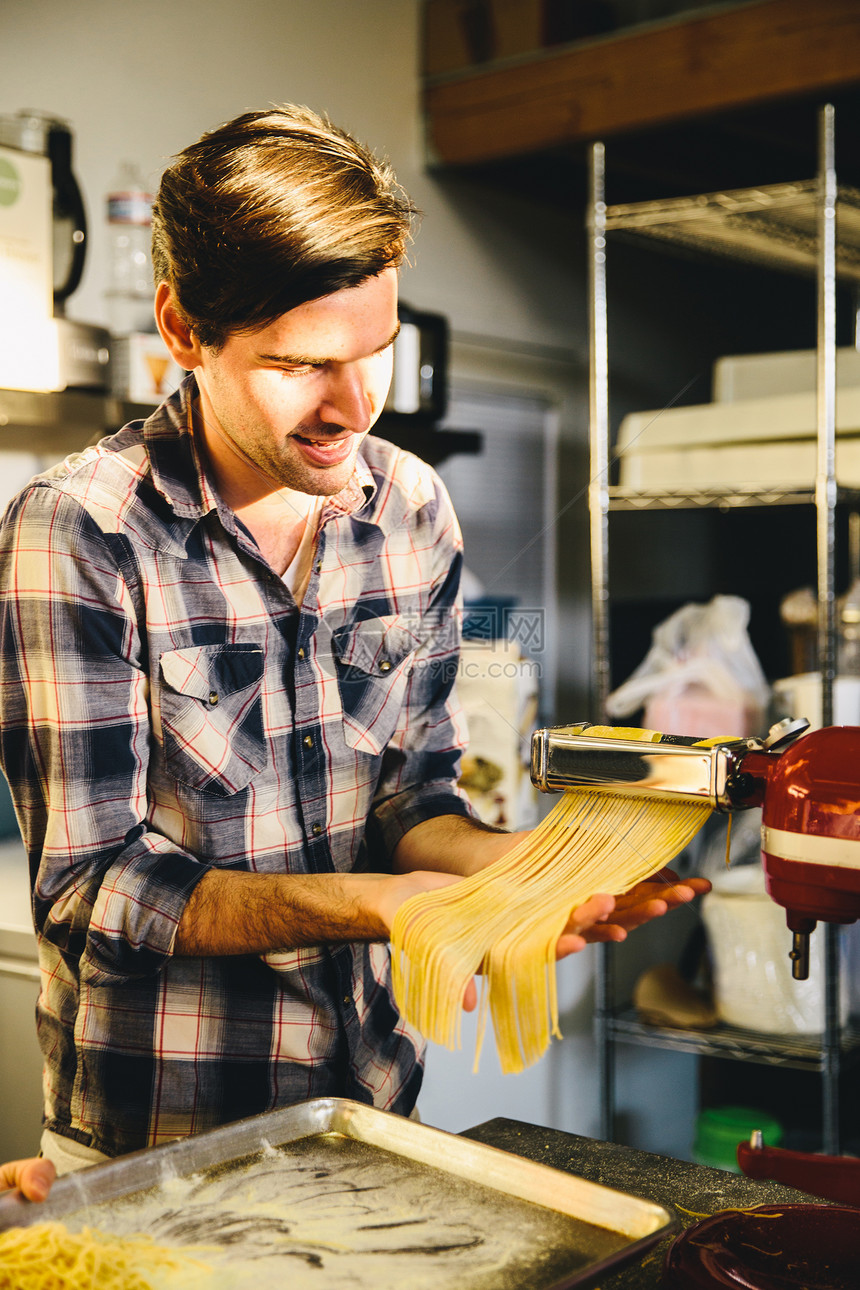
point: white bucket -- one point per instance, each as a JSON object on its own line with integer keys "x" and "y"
{"x": 800, "y": 696}
{"x": 750, "y": 944}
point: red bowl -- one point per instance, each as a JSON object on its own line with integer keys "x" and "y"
{"x": 771, "y": 1247}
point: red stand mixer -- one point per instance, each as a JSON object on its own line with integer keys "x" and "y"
{"x": 808, "y": 786}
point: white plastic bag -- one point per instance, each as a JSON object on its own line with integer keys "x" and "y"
{"x": 701, "y": 675}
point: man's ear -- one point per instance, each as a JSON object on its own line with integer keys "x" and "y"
{"x": 184, "y": 347}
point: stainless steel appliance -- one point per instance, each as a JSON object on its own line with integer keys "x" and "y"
{"x": 806, "y": 782}
{"x": 419, "y": 387}
{"x": 51, "y": 137}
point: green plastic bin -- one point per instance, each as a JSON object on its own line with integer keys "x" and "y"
{"x": 719, "y": 1129}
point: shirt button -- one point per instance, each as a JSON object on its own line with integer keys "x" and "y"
{"x": 316, "y": 830}
{"x": 213, "y": 697}
{"x": 319, "y": 566}
{"x": 385, "y": 665}
{"x": 300, "y": 651}
{"x": 308, "y": 741}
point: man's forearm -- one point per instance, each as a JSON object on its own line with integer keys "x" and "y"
{"x": 260, "y": 913}
{"x": 453, "y": 844}
{"x": 254, "y": 913}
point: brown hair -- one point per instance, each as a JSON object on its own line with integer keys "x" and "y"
{"x": 270, "y": 211}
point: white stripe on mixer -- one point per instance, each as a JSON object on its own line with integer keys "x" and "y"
{"x": 810, "y": 848}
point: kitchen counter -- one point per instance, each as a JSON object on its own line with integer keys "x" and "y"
{"x": 689, "y": 1190}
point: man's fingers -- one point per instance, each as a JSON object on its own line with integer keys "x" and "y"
{"x": 595, "y": 910}
{"x": 34, "y": 1177}
{"x": 673, "y": 893}
{"x": 583, "y": 926}
{"x": 605, "y": 918}
{"x": 569, "y": 943}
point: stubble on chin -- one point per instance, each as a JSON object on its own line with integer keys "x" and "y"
{"x": 318, "y": 482}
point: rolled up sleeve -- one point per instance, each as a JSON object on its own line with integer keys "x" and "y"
{"x": 108, "y": 891}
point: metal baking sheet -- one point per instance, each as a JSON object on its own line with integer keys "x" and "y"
{"x": 335, "y": 1195}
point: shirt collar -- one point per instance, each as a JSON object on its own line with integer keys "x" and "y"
{"x": 180, "y": 475}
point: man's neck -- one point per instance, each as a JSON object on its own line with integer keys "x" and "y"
{"x": 276, "y": 517}
{"x": 278, "y": 524}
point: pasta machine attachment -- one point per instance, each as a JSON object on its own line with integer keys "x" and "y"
{"x": 806, "y": 782}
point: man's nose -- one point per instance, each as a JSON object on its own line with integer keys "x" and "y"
{"x": 347, "y": 402}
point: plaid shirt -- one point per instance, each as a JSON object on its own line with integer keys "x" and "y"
{"x": 166, "y": 709}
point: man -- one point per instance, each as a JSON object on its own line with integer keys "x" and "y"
{"x": 228, "y": 652}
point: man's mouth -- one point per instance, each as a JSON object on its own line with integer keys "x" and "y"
{"x": 325, "y": 451}
{"x": 321, "y": 443}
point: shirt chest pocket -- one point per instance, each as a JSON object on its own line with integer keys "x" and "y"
{"x": 374, "y": 662}
{"x": 212, "y": 716}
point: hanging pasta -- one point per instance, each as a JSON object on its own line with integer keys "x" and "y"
{"x": 505, "y": 921}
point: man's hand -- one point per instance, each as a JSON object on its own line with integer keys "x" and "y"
{"x": 647, "y": 900}
{"x": 587, "y": 923}
{"x": 387, "y": 892}
{"x": 34, "y": 1177}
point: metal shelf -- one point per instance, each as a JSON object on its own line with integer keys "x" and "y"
{"x": 791, "y": 227}
{"x": 775, "y": 226}
{"x": 796, "y": 1052}
{"x": 641, "y": 499}
{"x": 64, "y": 421}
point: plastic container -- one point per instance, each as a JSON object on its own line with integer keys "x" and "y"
{"x": 749, "y": 944}
{"x": 800, "y": 696}
{"x": 130, "y": 291}
{"x": 719, "y": 1129}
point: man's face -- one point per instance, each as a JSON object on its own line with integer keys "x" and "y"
{"x": 296, "y": 398}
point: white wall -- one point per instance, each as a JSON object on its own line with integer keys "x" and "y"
{"x": 141, "y": 81}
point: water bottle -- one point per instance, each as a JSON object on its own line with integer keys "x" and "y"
{"x": 130, "y": 292}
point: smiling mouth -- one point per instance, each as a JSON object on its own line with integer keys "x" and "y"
{"x": 325, "y": 451}
{"x": 321, "y": 443}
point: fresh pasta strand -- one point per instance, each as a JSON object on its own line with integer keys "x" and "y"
{"x": 506, "y": 920}
{"x": 47, "y": 1256}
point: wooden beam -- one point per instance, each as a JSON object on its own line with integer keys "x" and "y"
{"x": 755, "y": 53}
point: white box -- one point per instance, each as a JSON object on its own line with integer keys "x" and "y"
{"x": 770, "y": 441}
{"x": 756, "y": 376}
{"x": 28, "y": 352}
{"x": 749, "y": 944}
{"x": 773, "y": 465}
{"x": 141, "y": 368}
{"x": 773, "y": 419}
